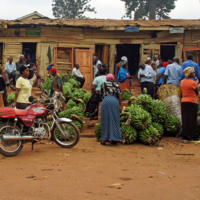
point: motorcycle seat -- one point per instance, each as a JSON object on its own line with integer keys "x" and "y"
{"x": 20, "y": 112}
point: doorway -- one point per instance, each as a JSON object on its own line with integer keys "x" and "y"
{"x": 1, "y": 53}
{"x": 29, "y": 49}
{"x": 132, "y": 52}
{"x": 167, "y": 52}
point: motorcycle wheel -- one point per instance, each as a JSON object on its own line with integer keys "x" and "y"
{"x": 72, "y": 135}
{"x": 9, "y": 148}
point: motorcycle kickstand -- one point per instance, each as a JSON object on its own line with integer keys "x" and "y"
{"x": 33, "y": 142}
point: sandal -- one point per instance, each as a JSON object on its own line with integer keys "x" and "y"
{"x": 113, "y": 142}
{"x": 103, "y": 143}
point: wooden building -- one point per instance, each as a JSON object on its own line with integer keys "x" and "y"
{"x": 69, "y": 41}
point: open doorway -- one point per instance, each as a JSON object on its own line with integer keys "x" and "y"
{"x": 29, "y": 49}
{"x": 167, "y": 52}
{"x": 1, "y": 53}
{"x": 102, "y": 52}
{"x": 132, "y": 52}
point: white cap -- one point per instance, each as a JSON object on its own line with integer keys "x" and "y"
{"x": 124, "y": 58}
{"x": 148, "y": 58}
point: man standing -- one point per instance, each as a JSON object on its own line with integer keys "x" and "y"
{"x": 172, "y": 73}
{"x": 10, "y": 69}
{"x": 118, "y": 66}
{"x": 79, "y": 77}
{"x": 98, "y": 65}
{"x": 3, "y": 76}
{"x": 155, "y": 60}
{"x": 19, "y": 63}
{"x": 190, "y": 63}
{"x": 6, "y": 81}
{"x": 146, "y": 76}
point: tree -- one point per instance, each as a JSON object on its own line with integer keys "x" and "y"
{"x": 71, "y": 9}
{"x": 149, "y": 9}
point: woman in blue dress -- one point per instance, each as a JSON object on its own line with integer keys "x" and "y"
{"x": 110, "y": 111}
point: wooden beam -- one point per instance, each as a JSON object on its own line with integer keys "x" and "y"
{"x": 112, "y": 58}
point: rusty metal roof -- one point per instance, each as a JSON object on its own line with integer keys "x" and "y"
{"x": 97, "y": 23}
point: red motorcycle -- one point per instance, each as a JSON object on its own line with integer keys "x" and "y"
{"x": 17, "y": 127}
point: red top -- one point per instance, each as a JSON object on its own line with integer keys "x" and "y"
{"x": 188, "y": 87}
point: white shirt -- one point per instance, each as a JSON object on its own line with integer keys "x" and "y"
{"x": 98, "y": 63}
{"x": 76, "y": 72}
{"x": 11, "y": 67}
{"x": 148, "y": 72}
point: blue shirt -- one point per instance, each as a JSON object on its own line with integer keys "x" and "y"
{"x": 148, "y": 72}
{"x": 190, "y": 63}
{"x": 98, "y": 81}
{"x": 173, "y": 71}
{"x": 161, "y": 71}
{"x": 11, "y": 67}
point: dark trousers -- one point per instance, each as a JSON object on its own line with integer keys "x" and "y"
{"x": 149, "y": 86}
{"x": 5, "y": 98}
{"x": 13, "y": 77}
{"x": 81, "y": 80}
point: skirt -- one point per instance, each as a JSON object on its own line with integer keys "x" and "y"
{"x": 189, "y": 119}
{"x": 125, "y": 85}
{"x": 110, "y": 119}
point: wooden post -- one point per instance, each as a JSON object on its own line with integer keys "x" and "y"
{"x": 112, "y": 58}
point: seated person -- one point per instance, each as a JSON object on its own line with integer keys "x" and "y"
{"x": 79, "y": 77}
{"x": 10, "y": 69}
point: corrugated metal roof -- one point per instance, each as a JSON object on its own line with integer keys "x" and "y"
{"x": 97, "y": 23}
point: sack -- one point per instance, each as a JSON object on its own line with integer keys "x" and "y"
{"x": 173, "y": 104}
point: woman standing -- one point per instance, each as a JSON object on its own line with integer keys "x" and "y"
{"x": 23, "y": 89}
{"x": 110, "y": 111}
{"x": 189, "y": 104}
{"x": 124, "y": 77}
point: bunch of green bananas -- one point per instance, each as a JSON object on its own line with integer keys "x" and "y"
{"x": 78, "y": 124}
{"x": 47, "y": 83}
{"x": 126, "y": 94}
{"x": 123, "y": 120}
{"x": 69, "y": 85}
{"x": 67, "y": 91}
{"x": 140, "y": 118}
{"x": 11, "y": 98}
{"x": 158, "y": 111}
{"x": 172, "y": 124}
{"x": 159, "y": 127}
{"x": 72, "y": 81}
{"x": 144, "y": 101}
{"x": 72, "y": 111}
{"x": 150, "y": 136}
{"x": 86, "y": 97}
{"x": 98, "y": 132}
{"x": 70, "y": 104}
{"x": 129, "y": 134}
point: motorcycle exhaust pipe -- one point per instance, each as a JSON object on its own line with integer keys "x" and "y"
{"x": 17, "y": 137}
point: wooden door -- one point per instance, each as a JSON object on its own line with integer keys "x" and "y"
{"x": 84, "y": 59}
{"x": 11, "y": 49}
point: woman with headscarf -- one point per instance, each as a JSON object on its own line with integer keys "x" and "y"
{"x": 23, "y": 89}
{"x": 110, "y": 111}
{"x": 165, "y": 64}
{"x": 189, "y": 104}
{"x": 124, "y": 77}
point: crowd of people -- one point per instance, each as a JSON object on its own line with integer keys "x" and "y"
{"x": 108, "y": 88}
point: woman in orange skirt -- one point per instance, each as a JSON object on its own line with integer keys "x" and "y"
{"x": 124, "y": 78}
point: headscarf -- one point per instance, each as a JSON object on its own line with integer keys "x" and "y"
{"x": 53, "y": 70}
{"x": 189, "y": 70}
{"x": 110, "y": 77}
{"x": 23, "y": 68}
{"x": 165, "y": 64}
{"x": 124, "y": 63}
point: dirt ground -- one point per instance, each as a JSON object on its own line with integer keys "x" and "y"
{"x": 86, "y": 171}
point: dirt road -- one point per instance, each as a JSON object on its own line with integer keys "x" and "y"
{"x": 85, "y": 172}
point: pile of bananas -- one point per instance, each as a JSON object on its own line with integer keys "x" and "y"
{"x": 140, "y": 118}
{"x": 172, "y": 124}
{"x": 98, "y": 132}
{"x": 129, "y": 134}
{"x": 126, "y": 94}
{"x": 158, "y": 111}
{"x": 150, "y": 136}
{"x": 159, "y": 127}
{"x": 144, "y": 101}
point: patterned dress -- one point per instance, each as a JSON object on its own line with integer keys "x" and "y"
{"x": 110, "y": 112}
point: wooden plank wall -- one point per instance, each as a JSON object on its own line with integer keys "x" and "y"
{"x": 87, "y": 38}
